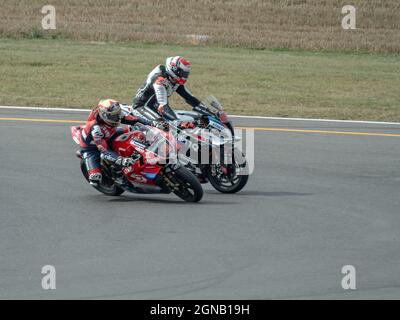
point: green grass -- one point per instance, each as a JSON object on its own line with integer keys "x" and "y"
{"x": 64, "y": 73}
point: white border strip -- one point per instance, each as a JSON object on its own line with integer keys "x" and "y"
{"x": 233, "y": 116}
{"x": 316, "y": 120}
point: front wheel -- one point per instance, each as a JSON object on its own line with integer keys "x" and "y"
{"x": 106, "y": 186}
{"x": 225, "y": 183}
{"x": 189, "y": 188}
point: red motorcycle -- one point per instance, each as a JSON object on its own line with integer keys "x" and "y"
{"x": 156, "y": 171}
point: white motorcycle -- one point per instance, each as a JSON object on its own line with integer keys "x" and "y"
{"x": 209, "y": 147}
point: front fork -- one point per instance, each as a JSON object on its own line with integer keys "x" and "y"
{"x": 232, "y": 167}
{"x": 222, "y": 159}
{"x": 228, "y": 167}
{"x": 164, "y": 179}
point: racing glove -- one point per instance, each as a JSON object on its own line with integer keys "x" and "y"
{"x": 162, "y": 125}
{"x": 187, "y": 125}
{"x": 124, "y": 162}
{"x": 118, "y": 160}
{"x": 166, "y": 112}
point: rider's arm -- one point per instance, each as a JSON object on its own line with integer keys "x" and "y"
{"x": 98, "y": 138}
{"x": 161, "y": 91}
{"x": 193, "y": 101}
{"x": 187, "y": 95}
{"x": 106, "y": 153}
{"x": 162, "y": 99}
{"x": 132, "y": 120}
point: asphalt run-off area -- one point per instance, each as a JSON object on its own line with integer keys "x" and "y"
{"x": 323, "y": 195}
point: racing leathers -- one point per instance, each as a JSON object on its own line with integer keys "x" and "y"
{"x": 156, "y": 90}
{"x": 95, "y": 141}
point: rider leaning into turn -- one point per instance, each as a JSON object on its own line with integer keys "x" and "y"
{"x": 161, "y": 83}
{"x": 100, "y": 130}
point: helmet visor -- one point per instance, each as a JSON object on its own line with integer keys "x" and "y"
{"x": 183, "y": 74}
{"x": 114, "y": 117}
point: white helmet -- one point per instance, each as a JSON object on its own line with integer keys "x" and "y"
{"x": 178, "y": 68}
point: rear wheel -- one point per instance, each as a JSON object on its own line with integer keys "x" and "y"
{"x": 106, "y": 186}
{"x": 226, "y": 183}
{"x": 189, "y": 188}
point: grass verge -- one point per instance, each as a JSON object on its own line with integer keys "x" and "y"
{"x": 64, "y": 73}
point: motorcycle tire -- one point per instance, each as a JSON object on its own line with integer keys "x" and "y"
{"x": 191, "y": 189}
{"x": 217, "y": 183}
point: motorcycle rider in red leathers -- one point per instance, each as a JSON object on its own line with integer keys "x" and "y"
{"x": 161, "y": 83}
{"x": 100, "y": 129}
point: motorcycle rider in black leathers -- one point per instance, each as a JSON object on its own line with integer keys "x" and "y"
{"x": 161, "y": 83}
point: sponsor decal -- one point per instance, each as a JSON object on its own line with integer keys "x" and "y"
{"x": 138, "y": 145}
{"x": 138, "y": 178}
{"x": 215, "y": 124}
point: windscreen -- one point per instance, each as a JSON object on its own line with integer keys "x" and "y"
{"x": 212, "y": 104}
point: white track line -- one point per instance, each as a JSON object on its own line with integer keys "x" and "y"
{"x": 233, "y": 116}
{"x": 44, "y": 109}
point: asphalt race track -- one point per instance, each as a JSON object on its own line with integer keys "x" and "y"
{"x": 317, "y": 201}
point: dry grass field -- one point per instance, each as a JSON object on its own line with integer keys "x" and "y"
{"x": 290, "y": 24}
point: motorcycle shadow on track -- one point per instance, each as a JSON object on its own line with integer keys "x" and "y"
{"x": 258, "y": 193}
{"x": 123, "y": 199}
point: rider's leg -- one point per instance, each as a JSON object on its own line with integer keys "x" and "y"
{"x": 92, "y": 162}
